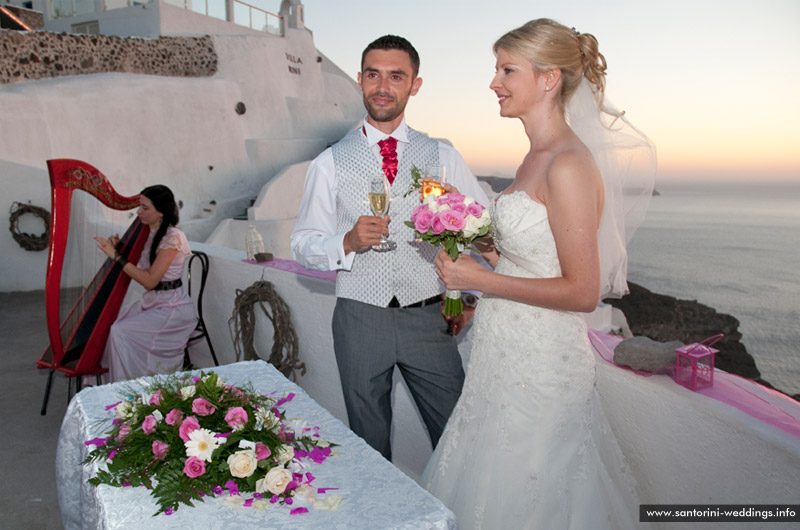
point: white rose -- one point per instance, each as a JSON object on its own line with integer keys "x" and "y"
{"x": 187, "y": 392}
{"x": 430, "y": 200}
{"x": 437, "y": 208}
{"x": 285, "y": 454}
{"x": 233, "y": 501}
{"x": 260, "y": 504}
{"x": 123, "y": 410}
{"x": 472, "y": 225}
{"x": 275, "y": 481}
{"x": 331, "y": 502}
{"x": 242, "y": 464}
{"x": 307, "y": 492}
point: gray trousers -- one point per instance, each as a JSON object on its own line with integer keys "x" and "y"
{"x": 369, "y": 341}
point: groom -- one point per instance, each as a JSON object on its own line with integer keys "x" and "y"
{"x": 388, "y": 308}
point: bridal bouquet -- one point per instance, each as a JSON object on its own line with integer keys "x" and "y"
{"x": 186, "y": 437}
{"x": 454, "y": 222}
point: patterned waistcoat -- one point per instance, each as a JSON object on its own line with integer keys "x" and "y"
{"x": 406, "y": 272}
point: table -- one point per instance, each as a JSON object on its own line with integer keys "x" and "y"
{"x": 375, "y": 494}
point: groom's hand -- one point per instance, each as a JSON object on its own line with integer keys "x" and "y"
{"x": 459, "y": 322}
{"x": 365, "y": 233}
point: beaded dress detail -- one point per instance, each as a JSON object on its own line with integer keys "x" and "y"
{"x": 527, "y": 445}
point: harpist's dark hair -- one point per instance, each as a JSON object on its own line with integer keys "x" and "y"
{"x": 164, "y": 201}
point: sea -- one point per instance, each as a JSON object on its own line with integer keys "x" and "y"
{"x": 734, "y": 246}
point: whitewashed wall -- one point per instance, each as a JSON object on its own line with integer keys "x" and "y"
{"x": 183, "y": 132}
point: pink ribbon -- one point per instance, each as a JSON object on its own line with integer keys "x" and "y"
{"x": 756, "y": 400}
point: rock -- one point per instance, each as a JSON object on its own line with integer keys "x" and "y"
{"x": 666, "y": 318}
{"x": 644, "y": 353}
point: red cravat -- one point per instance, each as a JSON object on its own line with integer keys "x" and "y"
{"x": 389, "y": 154}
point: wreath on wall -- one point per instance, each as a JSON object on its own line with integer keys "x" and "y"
{"x": 242, "y": 324}
{"x": 29, "y": 241}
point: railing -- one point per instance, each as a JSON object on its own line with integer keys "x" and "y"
{"x": 263, "y": 20}
{"x": 243, "y": 13}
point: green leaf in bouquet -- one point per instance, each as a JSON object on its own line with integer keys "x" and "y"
{"x": 451, "y": 247}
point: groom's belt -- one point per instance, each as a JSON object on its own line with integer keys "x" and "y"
{"x": 422, "y": 303}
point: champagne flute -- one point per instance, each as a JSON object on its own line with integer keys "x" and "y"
{"x": 379, "y": 203}
{"x": 432, "y": 180}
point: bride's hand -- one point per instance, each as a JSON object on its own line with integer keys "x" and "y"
{"x": 449, "y": 188}
{"x": 458, "y": 274}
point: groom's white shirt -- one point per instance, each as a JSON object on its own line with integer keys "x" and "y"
{"x": 316, "y": 242}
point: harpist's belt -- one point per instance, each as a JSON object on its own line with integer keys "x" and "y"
{"x": 422, "y": 303}
{"x": 167, "y": 286}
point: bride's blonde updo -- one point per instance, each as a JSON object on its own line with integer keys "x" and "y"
{"x": 548, "y": 44}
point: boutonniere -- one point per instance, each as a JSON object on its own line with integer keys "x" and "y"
{"x": 416, "y": 181}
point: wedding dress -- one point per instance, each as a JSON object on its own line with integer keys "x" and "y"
{"x": 527, "y": 445}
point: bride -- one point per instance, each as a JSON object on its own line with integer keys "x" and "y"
{"x": 527, "y": 445}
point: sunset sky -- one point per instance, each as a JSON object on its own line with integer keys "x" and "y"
{"x": 714, "y": 83}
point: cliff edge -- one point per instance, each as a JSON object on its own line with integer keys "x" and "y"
{"x": 665, "y": 318}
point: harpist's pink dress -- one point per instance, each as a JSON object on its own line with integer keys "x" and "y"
{"x": 150, "y": 334}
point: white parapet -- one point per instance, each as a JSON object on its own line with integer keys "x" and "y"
{"x": 683, "y": 447}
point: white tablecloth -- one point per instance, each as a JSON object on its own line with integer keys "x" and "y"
{"x": 375, "y": 494}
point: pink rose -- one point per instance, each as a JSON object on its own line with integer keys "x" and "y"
{"x": 453, "y": 199}
{"x": 160, "y": 449}
{"x": 156, "y": 399}
{"x": 436, "y": 224}
{"x": 262, "y": 451}
{"x": 235, "y": 416}
{"x": 149, "y": 424}
{"x": 418, "y": 210}
{"x": 194, "y": 467}
{"x": 189, "y": 424}
{"x": 235, "y": 391}
{"x": 124, "y": 431}
{"x": 459, "y": 207}
{"x": 475, "y": 209}
{"x": 423, "y": 221}
{"x": 174, "y": 417}
{"x": 453, "y": 220}
{"x": 201, "y": 407}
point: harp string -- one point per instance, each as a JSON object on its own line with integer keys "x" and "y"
{"x": 85, "y": 266}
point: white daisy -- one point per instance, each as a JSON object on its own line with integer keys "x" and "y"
{"x": 201, "y": 444}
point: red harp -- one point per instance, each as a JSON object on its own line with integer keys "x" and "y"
{"x": 78, "y": 329}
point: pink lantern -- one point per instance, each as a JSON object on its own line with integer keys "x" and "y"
{"x": 694, "y": 363}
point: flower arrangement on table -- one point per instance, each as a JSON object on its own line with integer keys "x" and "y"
{"x": 452, "y": 221}
{"x": 187, "y": 437}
